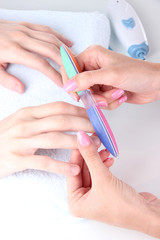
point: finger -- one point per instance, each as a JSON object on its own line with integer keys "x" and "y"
{"x": 85, "y": 80}
{"x": 44, "y": 37}
{"x": 64, "y": 74}
{"x": 43, "y": 48}
{"x": 45, "y": 163}
{"x": 76, "y": 182}
{"x": 56, "y": 123}
{"x": 91, "y": 157}
{"x": 149, "y": 196}
{"x": 86, "y": 176}
{"x": 36, "y": 62}
{"x": 54, "y": 140}
{"x": 57, "y": 108}
{"x": 47, "y": 29}
{"x": 100, "y": 101}
{"x": 11, "y": 82}
{"x": 108, "y": 162}
{"x": 65, "y": 79}
{"x": 117, "y": 103}
{"x": 113, "y": 94}
{"x": 104, "y": 154}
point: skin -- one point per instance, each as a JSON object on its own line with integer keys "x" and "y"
{"x": 44, "y": 127}
{"x": 26, "y": 43}
{"x": 98, "y": 195}
{"x": 95, "y": 193}
{"x": 106, "y": 71}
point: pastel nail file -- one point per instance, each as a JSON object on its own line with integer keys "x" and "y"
{"x": 95, "y": 114}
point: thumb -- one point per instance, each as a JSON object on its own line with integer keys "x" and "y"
{"x": 91, "y": 156}
{"x": 11, "y": 82}
{"x": 149, "y": 197}
{"x": 88, "y": 79}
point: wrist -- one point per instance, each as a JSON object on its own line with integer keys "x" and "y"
{"x": 156, "y": 79}
{"x": 146, "y": 219}
{"x": 154, "y": 222}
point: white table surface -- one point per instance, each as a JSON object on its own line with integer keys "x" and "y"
{"x": 137, "y": 128}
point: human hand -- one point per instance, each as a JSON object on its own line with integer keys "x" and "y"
{"x": 44, "y": 127}
{"x": 98, "y": 195}
{"x": 116, "y": 78}
{"x": 28, "y": 44}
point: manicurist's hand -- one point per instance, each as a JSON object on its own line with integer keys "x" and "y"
{"x": 116, "y": 78}
{"x": 44, "y": 127}
{"x": 98, "y": 195}
{"x": 28, "y": 44}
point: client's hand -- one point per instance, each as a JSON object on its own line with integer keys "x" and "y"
{"x": 116, "y": 78}
{"x": 28, "y": 44}
{"x": 96, "y": 194}
{"x": 44, "y": 127}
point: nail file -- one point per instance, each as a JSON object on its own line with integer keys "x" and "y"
{"x": 95, "y": 114}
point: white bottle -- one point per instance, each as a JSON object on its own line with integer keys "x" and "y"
{"x": 128, "y": 28}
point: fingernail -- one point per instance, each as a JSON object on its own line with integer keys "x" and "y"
{"x": 117, "y": 94}
{"x": 70, "y": 86}
{"x": 96, "y": 141}
{"x": 70, "y": 43}
{"x": 75, "y": 170}
{"x": 104, "y": 154}
{"x": 17, "y": 88}
{"x": 102, "y": 104}
{"x": 72, "y": 96}
{"x": 122, "y": 99}
{"x": 83, "y": 138}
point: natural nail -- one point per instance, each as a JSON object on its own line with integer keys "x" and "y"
{"x": 74, "y": 98}
{"x": 83, "y": 138}
{"x": 70, "y": 86}
{"x": 122, "y": 99}
{"x": 75, "y": 170}
{"x": 117, "y": 94}
{"x": 102, "y": 104}
{"x": 96, "y": 141}
{"x": 17, "y": 88}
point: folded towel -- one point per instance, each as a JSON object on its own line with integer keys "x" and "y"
{"x": 35, "y": 196}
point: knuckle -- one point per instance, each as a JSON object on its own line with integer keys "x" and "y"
{"x": 23, "y": 112}
{"x": 18, "y": 34}
{"x": 95, "y": 47}
{"x": 43, "y": 63}
{"x": 12, "y": 47}
{"x": 47, "y": 28}
{"x": 21, "y": 128}
{"x": 24, "y": 23}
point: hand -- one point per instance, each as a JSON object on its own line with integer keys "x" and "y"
{"x": 29, "y": 129}
{"x": 26, "y": 43}
{"x": 116, "y": 78}
{"x": 98, "y": 195}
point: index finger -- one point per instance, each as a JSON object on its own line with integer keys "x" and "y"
{"x": 65, "y": 79}
{"x": 35, "y": 61}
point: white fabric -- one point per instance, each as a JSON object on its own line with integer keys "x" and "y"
{"x": 34, "y": 198}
